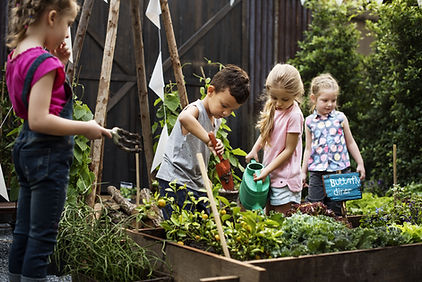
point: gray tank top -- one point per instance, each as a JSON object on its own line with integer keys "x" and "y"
{"x": 179, "y": 161}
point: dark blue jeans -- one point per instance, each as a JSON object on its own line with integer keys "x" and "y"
{"x": 180, "y": 196}
{"x": 316, "y": 192}
{"x": 42, "y": 163}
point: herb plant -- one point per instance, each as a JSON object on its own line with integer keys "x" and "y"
{"x": 99, "y": 248}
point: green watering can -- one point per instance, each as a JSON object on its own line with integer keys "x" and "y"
{"x": 253, "y": 195}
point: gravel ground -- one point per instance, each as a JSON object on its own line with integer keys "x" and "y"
{"x": 5, "y": 241}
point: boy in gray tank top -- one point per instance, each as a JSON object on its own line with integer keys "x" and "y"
{"x": 229, "y": 89}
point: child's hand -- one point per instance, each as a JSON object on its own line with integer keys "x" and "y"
{"x": 96, "y": 131}
{"x": 361, "y": 170}
{"x": 251, "y": 155}
{"x": 62, "y": 53}
{"x": 220, "y": 147}
{"x": 264, "y": 173}
{"x": 304, "y": 175}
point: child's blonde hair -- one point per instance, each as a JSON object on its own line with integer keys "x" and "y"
{"x": 27, "y": 12}
{"x": 323, "y": 81}
{"x": 282, "y": 77}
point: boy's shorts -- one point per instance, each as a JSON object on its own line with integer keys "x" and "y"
{"x": 282, "y": 195}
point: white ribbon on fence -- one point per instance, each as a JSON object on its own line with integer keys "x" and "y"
{"x": 156, "y": 83}
{"x": 153, "y": 12}
{"x": 157, "y": 79}
{"x": 3, "y": 189}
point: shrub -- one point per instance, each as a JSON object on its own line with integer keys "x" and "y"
{"x": 330, "y": 45}
{"x": 393, "y": 87}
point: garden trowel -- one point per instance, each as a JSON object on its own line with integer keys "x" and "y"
{"x": 223, "y": 167}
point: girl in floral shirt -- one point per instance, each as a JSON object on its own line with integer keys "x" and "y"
{"x": 328, "y": 141}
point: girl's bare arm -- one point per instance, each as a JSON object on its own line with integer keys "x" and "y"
{"x": 353, "y": 148}
{"x": 253, "y": 154}
{"x": 291, "y": 142}
{"x": 40, "y": 120}
{"x": 306, "y": 154}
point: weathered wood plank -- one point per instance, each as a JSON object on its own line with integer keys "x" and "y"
{"x": 102, "y": 97}
{"x": 138, "y": 43}
{"x": 399, "y": 263}
{"x": 174, "y": 55}
{"x": 80, "y": 36}
{"x": 190, "y": 264}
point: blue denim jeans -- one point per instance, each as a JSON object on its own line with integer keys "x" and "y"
{"x": 180, "y": 196}
{"x": 42, "y": 164}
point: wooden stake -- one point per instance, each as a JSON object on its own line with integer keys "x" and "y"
{"x": 102, "y": 97}
{"x": 138, "y": 189}
{"x": 142, "y": 85}
{"x": 394, "y": 164}
{"x": 212, "y": 202}
{"x": 79, "y": 37}
{"x": 174, "y": 54}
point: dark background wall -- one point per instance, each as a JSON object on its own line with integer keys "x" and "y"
{"x": 254, "y": 34}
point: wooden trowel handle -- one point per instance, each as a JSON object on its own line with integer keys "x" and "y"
{"x": 214, "y": 143}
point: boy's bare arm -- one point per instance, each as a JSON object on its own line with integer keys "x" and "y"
{"x": 189, "y": 120}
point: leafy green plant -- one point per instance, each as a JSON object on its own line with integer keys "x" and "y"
{"x": 10, "y": 127}
{"x": 99, "y": 248}
{"x": 369, "y": 203}
{"x": 330, "y": 45}
{"x": 253, "y": 235}
{"x": 81, "y": 177}
{"x": 392, "y": 93}
{"x": 403, "y": 206}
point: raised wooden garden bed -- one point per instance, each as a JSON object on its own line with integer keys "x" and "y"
{"x": 400, "y": 263}
{"x": 191, "y": 264}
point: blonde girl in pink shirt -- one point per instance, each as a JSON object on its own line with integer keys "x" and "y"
{"x": 281, "y": 126}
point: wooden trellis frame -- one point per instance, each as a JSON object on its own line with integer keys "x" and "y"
{"x": 105, "y": 78}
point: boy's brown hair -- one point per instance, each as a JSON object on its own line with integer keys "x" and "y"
{"x": 235, "y": 79}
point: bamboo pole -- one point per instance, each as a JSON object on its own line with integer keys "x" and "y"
{"x": 213, "y": 205}
{"x": 102, "y": 97}
{"x": 174, "y": 54}
{"x": 79, "y": 37}
{"x": 142, "y": 85}
{"x": 394, "y": 164}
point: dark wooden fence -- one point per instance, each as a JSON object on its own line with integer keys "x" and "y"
{"x": 254, "y": 34}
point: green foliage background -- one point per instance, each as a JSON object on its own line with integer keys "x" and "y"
{"x": 393, "y": 88}
{"x": 380, "y": 93}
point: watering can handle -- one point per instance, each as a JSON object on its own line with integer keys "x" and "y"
{"x": 259, "y": 182}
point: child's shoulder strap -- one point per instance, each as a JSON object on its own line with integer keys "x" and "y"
{"x": 30, "y": 74}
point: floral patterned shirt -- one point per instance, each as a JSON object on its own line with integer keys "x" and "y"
{"x": 329, "y": 148}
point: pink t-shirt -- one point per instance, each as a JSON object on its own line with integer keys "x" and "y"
{"x": 287, "y": 121}
{"x": 16, "y": 71}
